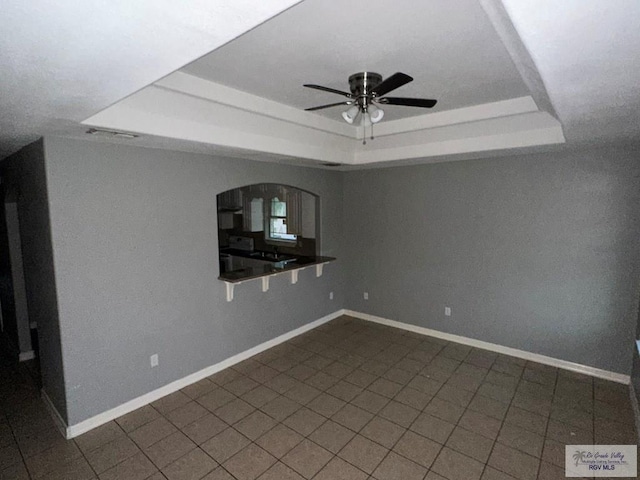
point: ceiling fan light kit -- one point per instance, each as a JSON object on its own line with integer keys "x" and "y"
{"x": 367, "y": 93}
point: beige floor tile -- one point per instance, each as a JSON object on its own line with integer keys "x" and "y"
{"x": 383, "y": 431}
{"x": 18, "y": 471}
{"x": 307, "y": 458}
{"x": 138, "y": 467}
{"x": 198, "y": 389}
{"x": 192, "y": 466}
{"x": 515, "y": 463}
{"x": 170, "y": 402}
{"x": 301, "y": 372}
{"x": 444, "y": 410}
{"x": 363, "y": 453}
{"x": 281, "y": 383}
{"x": 326, "y": 405}
{"x": 280, "y": 408}
{"x": 481, "y": 424}
{"x": 234, "y": 411}
{"x": 488, "y": 406}
{"x": 263, "y": 374}
{"x": 279, "y": 440}
{"x": 255, "y": 424}
{"x": 204, "y": 428}
{"x": 225, "y": 445}
{"x": 493, "y": 474}
{"x": 352, "y": 417}
{"x": 521, "y": 439}
{"x": 338, "y": 370}
{"x": 215, "y": 399}
{"x": 9, "y": 455}
{"x": 417, "y": 448}
{"x": 397, "y": 375}
{"x": 563, "y": 433}
{"x": 500, "y": 393}
{"x": 360, "y": 378}
{"x": 338, "y": 469}
{"x": 186, "y": 414}
{"x": 395, "y": 467}
{"x": 225, "y": 376}
{"x": 332, "y": 436}
{"x": 471, "y": 444}
{"x": 304, "y": 421}
{"x": 321, "y": 381}
{"x": 432, "y": 427}
{"x": 527, "y": 420}
{"x": 344, "y": 391}
{"x": 112, "y": 453}
{"x": 399, "y": 413}
{"x": 76, "y": 469}
{"x": 32, "y": 443}
{"x": 454, "y": 395}
{"x": 413, "y": 398}
{"x": 259, "y": 396}
{"x": 302, "y": 393}
{"x": 553, "y": 452}
{"x": 218, "y": 474}
{"x": 241, "y": 385}
{"x": 137, "y": 418}
{"x": 99, "y": 436}
{"x": 425, "y": 385}
{"x": 152, "y": 432}
{"x": 370, "y": 401}
{"x": 279, "y": 471}
{"x": 169, "y": 449}
{"x": 249, "y": 463}
{"x": 40, "y": 464}
{"x": 455, "y": 466}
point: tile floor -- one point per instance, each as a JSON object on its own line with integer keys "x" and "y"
{"x": 350, "y": 400}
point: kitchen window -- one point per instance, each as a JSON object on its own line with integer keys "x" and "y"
{"x": 277, "y": 224}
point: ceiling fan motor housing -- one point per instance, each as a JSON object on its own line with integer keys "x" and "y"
{"x": 361, "y": 85}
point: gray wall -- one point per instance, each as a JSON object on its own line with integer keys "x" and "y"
{"x": 25, "y": 171}
{"x": 535, "y": 252}
{"x": 134, "y": 234}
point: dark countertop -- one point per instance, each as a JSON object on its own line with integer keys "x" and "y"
{"x": 248, "y": 273}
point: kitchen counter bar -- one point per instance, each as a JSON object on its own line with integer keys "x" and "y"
{"x": 250, "y": 273}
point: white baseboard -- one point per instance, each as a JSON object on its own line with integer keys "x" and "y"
{"x": 514, "y": 352}
{"x": 104, "y": 417}
{"x": 24, "y": 356}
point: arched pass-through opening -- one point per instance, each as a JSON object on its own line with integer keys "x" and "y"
{"x": 267, "y": 225}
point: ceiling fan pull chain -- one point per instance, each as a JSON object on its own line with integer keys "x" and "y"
{"x": 371, "y": 130}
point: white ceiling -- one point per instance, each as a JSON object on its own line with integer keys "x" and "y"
{"x": 63, "y": 63}
{"x": 450, "y": 49}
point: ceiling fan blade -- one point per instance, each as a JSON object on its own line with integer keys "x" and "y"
{"x": 327, "y": 89}
{"x": 408, "y": 102}
{"x": 394, "y": 81}
{"x": 327, "y": 106}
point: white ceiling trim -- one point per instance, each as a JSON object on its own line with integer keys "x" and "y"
{"x": 475, "y": 113}
{"x": 184, "y": 107}
{"x": 517, "y": 131}
{"x": 215, "y": 92}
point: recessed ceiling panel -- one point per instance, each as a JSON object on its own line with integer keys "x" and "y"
{"x": 449, "y": 47}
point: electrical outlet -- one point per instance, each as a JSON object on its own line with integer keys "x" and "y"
{"x": 366, "y": 295}
{"x": 154, "y": 360}
{"x": 447, "y": 311}
{"x": 330, "y": 295}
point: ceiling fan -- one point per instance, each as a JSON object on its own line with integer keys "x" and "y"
{"x": 367, "y": 93}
